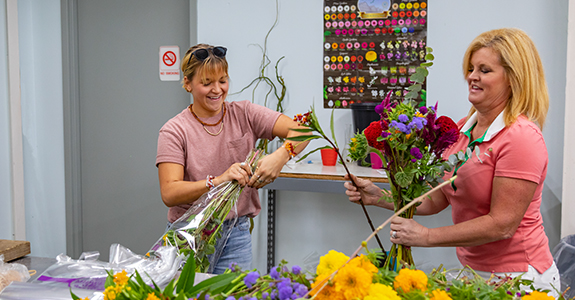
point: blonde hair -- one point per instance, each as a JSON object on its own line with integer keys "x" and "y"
{"x": 211, "y": 66}
{"x": 523, "y": 68}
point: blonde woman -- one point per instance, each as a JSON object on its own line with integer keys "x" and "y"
{"x": 496, "y": 197}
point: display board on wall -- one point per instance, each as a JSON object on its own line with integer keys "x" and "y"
{"x": 370, "y": 48}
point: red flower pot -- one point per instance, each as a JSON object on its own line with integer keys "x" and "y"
{"x": 328, "y": 157}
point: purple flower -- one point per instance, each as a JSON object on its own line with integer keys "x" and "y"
{"x": 403, "y": 118}
{"x": 400, "y": 126}
{"x": 379, "y": 109}
{"x": 265, "y": 295}
{"x": 296, "y": 270}
{"x": 233, "y": 266}
{"x": 251, "y": 278}
{"x": 418, "y": 123}
{"x": 231, "y": 298}
{"x": 274, "y": 273}
{"x": 300, "y": 289}
{"x": 385, "y": 134}
{"x": 285, "y": 292}
{"x": 423, "y": 110}
{"x": 416, "y": 153}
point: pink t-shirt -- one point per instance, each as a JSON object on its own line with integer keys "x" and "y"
{"x": 184, "y": 141}
{"x": 517, "y": 151}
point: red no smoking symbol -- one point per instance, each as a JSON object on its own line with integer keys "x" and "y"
{"x": 169, "y": 58}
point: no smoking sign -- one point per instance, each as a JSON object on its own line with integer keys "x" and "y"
{"x": 169, "y": 63}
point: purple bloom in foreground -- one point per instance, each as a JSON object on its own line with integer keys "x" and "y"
{"x": 379, "y": 109}
{"x": 251, "y": 278}
{"x": 274, "y": 273}
{"x": 416, "y": 153}
{"x": 296, "y": 270}
{"x": 403, "y": 118}
{"x": 265, "y": 295}
{"x": 231, "y": 298}
{"x": 423, "y": 110}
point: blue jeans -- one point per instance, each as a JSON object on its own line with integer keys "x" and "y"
{"x": 237, "y": 248}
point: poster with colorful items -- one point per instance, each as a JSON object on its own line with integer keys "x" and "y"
{"x": 370, "y": 48}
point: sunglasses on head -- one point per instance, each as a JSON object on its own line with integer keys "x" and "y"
{"x": 202, "y": 54}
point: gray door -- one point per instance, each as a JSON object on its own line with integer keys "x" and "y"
{"x": 121, "y": 104}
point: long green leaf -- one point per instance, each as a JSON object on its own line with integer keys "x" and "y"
{"x": 302, "y": 129}
{"x": 314, "y": 150}
{"x": 213, "y": 282}
{"x": 303, "y": 138}
{"x": 186, "y": 280}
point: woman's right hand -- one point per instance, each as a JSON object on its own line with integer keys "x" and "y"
{"x": 238, "y": 172}
{"x": 366, "y": 191}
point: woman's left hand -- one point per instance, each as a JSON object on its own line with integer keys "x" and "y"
{"x": 267, "y": 170}
{"x": 408, "y": 232}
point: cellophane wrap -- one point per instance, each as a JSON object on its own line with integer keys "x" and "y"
{"x": 200, "y": 227}
{"x": 89, "y": 273}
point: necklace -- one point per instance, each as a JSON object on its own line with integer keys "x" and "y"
{"x": 206, "y": 124}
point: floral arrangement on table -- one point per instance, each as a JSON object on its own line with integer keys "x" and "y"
{"x": 198, "y": 229}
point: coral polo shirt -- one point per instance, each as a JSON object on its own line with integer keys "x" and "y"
{"x": 517, "y": 151}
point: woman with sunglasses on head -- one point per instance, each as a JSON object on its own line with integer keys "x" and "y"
{"x": 204, "y": 145}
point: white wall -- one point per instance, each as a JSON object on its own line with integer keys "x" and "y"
{"x": 42, "y": 125}
{"x": 311, "y": 223}
{"x": 567, "y": 220}
{"x": 5, "y": 178}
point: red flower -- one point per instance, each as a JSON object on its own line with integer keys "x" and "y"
{"x": 372, "y": 132}
{"x": 445, "y": 124}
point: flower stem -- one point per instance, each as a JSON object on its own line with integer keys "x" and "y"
{"x": 360, "y": 201}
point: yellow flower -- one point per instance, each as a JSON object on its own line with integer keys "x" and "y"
{"x": 440, "y": 295}
{"x": 331, "y": 262}
{"x": 354, "y": 282}
{"x": 363, "y": 262}
{"x": 537, "y": 296}
{"x": 112, "y": 291}
{"x": 354, "y": 140}
{"x": 381, "y": 291}
{"x": 328, "y": 292}
{"x": 408, "y": 279}
{"x": 151, "y": 296}
{"x": 121, "y": 278}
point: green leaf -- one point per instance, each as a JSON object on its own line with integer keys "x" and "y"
{"x": 314, "y": 150}
{"x": 214, "y": 282}
{"x": 429, "y": 56}
{"x": 169, "y": 290}
{"x": 415, "y": 87}
{"x": 301, "y": 129}
{"x": 428, "y": 49}
{"x": 427, "y": 64}
{"x": 403, "y": 179}
{"x": 74, "y": 297}
{"x": 303, "y": 138}
{"x": 187, "y": 277}
{"x": 411, "y": 95}
{"x": 210, "y": 249}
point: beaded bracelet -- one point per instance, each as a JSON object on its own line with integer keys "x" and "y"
{"x": 210, "y": 182}
{"x": 290, "y": 149}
